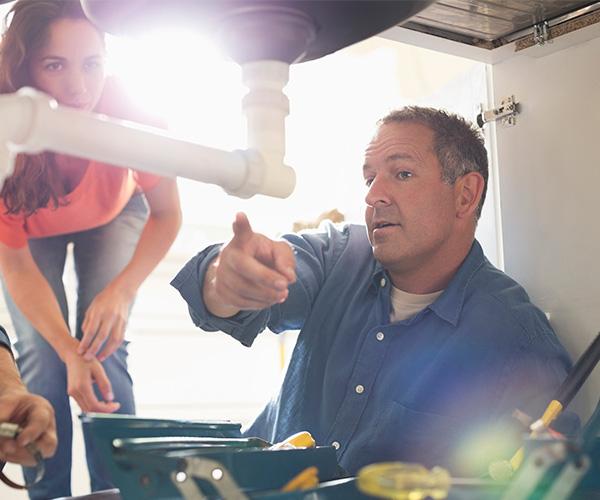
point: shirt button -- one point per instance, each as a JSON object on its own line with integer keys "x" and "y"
{"x": 336, "y": 445}
{"x": 380, "y": 336}
{"x": 382, "y": 282}
{"x": 359, "y": 389}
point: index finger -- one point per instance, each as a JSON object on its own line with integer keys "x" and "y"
{"x": 242, "y": 231}
{"x": 95, "y": 405}
{"x": 89, "y": 328}
{"x": 92, "y": 403}
{"x": 19, "y": 455}
{"x": 102, "y": 334}
{"x": 45, "y": 442}
{"x": 113, "y": 342}
{"x": 38, "y": 422}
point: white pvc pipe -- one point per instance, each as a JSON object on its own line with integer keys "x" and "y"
{"x": 31, "y": 122}
{"x": 15, "y": 115}
{"x": 266, "y": 107}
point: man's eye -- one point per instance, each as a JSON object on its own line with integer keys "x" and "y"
{"x": 403, "y": 175}
{"x": 369, "y": 181}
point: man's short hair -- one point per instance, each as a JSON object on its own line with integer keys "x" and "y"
{"x": 457, "y": 143}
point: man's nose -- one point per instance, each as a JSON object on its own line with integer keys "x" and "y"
{"x": 377, "y": 193}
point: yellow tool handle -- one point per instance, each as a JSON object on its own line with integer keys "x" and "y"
{"x": 503, "y": 470}
{"x": 299, "y": 440}
{"x": 552, "y": 411}
{"x": 305, "y": 480}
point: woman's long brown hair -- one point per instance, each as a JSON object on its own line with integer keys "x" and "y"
{"x": 35, "y": 183}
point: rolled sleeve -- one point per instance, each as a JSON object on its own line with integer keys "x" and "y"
{"x": 244, "y": 326}
{"x": 4, "y": 340}
{"x": 316, "y": 254}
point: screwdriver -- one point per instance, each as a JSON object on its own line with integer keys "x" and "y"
{"x": 404, "y": 481}
{"x": 408, "y": 481}
{"x": 12, "y": 431}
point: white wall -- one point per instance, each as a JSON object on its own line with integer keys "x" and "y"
{"x": 549, "y": 174}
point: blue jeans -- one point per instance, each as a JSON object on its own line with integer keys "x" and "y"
{"x": 99, "y": 255}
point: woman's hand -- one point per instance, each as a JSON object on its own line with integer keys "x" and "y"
{"x": 104, "y": 323}
{"x": 35, "y": 416}
{"x": 81, "y": 376}
{"x": 106, "y": 317}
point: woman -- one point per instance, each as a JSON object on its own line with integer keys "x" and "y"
{"x": 53, "y": 200}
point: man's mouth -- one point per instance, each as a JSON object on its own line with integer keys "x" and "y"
{"x": 381, "y": 225}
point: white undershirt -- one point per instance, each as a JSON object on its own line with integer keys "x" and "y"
{"x": 405, "y": 305}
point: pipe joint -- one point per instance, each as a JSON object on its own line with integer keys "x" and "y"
{"x": 264, "y": 177}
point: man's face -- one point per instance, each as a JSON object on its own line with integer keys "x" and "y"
{"x": 410, "y": 213}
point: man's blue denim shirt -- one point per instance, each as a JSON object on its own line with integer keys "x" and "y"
{"x": 437, "y": 388}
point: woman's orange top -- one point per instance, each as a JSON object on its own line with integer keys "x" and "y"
{"x": 98, "y": 198}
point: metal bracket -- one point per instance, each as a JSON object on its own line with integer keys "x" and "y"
{"x": 506, "y": 112}
{"x": 574, "y": 467}
{"x": 541, "y": 33}
{"x": 534, "y": 469}
{"x": 209, "y": 470}
{"x": 9, "y": 430}
{"x": 569, "y": 478}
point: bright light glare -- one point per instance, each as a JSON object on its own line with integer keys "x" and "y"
{"x": 334, "y": 104}
{"x": 183, "y": 78}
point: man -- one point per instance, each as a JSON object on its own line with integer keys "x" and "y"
{"x": 33, "y": 413}
{"x": 412, "y": 346}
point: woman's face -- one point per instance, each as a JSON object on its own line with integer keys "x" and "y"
{"x": 70, "y": 65}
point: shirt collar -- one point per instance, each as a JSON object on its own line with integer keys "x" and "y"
{"x": 449, "y": 305}
{"x": 379, "y": 272}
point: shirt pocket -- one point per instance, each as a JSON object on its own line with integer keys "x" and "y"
{"x": 403, "y": 434}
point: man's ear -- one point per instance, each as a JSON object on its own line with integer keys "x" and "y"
{"x": 468, "y": 190}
